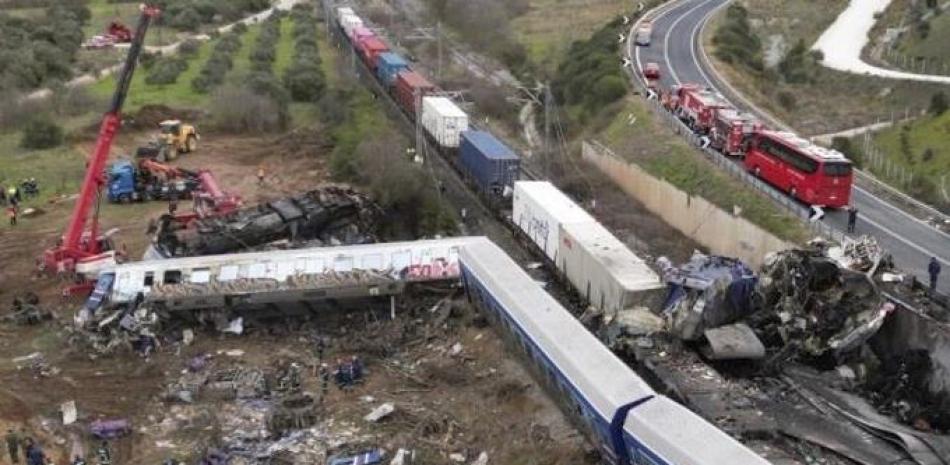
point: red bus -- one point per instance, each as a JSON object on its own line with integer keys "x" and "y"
{"x": 812, "y": 174}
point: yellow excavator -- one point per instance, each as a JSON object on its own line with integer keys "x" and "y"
{"x": 175, "y": 137}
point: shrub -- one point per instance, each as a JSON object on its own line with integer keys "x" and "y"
{"x": 188, "y": 19}
{"x": 787, "y": 100}
{"x": 938, "y": 104}
{"x": 189, "y": 48}
{"x": 218, "y": 64}
{"x": 845, "y": 146}
{"x": 736, "y": 42}
{"x": 41, "y": 133}
{"x": 166, "y": 71}
{"x": 304, "y": 81}
{"x": 239, "y": 109}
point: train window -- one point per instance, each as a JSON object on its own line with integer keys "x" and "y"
{"x": 200, "y": 276}
{"x": 373, "y": 262}
{"x": 257, "y": 271}
{"x": 343, "y": 263}
{"x": 314, "y": 266}
{"x": 228, "y": 273}
{"x": 149, "y": 280}
{"x": 172, "y": 277}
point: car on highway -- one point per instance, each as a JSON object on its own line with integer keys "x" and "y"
{"x": 651, "y": 71}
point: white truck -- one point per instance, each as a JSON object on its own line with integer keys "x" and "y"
{"x": 644, "y": 32}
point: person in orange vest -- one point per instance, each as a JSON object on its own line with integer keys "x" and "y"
{"x": 260, "y": 175}
{"x": 12, "y": 213}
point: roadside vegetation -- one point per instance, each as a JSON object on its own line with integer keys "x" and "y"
{"x": 655, "y": 148}
{"x": 922, "y": 148}
{"x": 912, "y": 35}
{"x": 589, "y": 76}
{"x": 792, "y": 85}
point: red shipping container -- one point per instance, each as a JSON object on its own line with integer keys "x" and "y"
{"x": 370, "y": 48}
{"x": 408, "y": 83}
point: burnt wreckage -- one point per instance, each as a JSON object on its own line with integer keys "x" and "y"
{"x": 329, "y": 215}
{"x": 834, "y": 347}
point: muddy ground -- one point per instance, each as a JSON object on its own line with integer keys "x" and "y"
{"x": 465, "y": 403}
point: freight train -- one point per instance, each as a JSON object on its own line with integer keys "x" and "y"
{"x": 483, "y": 160}
{"x": 806, "y": 172}
{"x": 619, "y": 412}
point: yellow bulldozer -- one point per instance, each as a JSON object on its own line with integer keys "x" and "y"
{"x": 175, "y": 137}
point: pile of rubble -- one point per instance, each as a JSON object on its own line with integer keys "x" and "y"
{"x": 834, "y": 334}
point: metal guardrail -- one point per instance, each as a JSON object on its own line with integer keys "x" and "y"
{"x": 739, "y": 172}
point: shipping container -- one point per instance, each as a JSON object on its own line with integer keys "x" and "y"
{"x": 539, "y": 209}
{"x": 369, "y": 49}
{"x": 388, "y": 66}
{"x": 409, "y": 86}
{"x": 350, "y": 23}
{"x": 361, "y": 32}
{"x": 443, "y": 120}
{"x": 604, "y": 271}
{"x": 489, "y": 162}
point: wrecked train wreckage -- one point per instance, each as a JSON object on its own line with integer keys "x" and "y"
{"x": 845, "y": 311}
{"x": 328, "y": 215}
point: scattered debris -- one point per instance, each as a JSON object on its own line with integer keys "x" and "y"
{"x": 380, "y": 412}
{"x": 110, "y": 429}
{"x": 69, "y": 412}
{"x": 736, "y": 341}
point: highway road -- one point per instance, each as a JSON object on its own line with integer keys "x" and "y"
{"x": 677, "y": 48}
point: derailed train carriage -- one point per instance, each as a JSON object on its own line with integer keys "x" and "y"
{"x": 628, "y": 421}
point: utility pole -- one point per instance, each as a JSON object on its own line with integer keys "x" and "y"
{"x": 548, "y": 117}
{"x": 438, "y": 38}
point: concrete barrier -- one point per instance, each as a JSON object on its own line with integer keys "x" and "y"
{"x": 723, "y": 233}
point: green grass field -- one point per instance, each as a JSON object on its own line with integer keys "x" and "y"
{"x": 926, "y": 134}
{"x": 179, "y": 94}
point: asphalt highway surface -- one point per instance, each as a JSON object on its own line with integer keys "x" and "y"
{"x": 676, "y": 47}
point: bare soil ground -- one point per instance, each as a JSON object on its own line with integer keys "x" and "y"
{"x": 476, "y": 400}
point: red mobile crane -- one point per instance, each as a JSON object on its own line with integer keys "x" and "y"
{"x": 79, "y": 245}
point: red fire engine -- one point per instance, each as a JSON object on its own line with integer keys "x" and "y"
{"x": 697, "y": 106}
{"x": 732, "y": 131}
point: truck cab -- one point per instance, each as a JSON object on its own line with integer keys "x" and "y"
{"x": 732, "y": 131}
{"x": 122, "y": 182}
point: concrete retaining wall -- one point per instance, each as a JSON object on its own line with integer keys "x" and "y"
{"x": 722, "y": 232}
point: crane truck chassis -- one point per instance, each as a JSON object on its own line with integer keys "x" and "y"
{"x": 83, "y": 250}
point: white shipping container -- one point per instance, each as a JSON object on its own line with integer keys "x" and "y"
{"x": 539, "y": 209}
{"x": 343, "y": 11}
{"x": 443, "y": 120}
{"x": 604, "y": 271}
{"x": 349, "y": 23}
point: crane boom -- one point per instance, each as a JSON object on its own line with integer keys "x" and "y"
{"x": 76, "y": 244}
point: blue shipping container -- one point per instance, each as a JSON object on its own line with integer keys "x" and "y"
{"x": 488, "y": 161}
{"x": 389, "y": 66}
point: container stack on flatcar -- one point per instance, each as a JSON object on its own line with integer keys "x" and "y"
{"x": 409, "y": 87}
{"x": 488, "y": 162}
{"x": 388, "y": 66}
{"x": 602, "y": 270}
{"x": 444, "y": 121}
